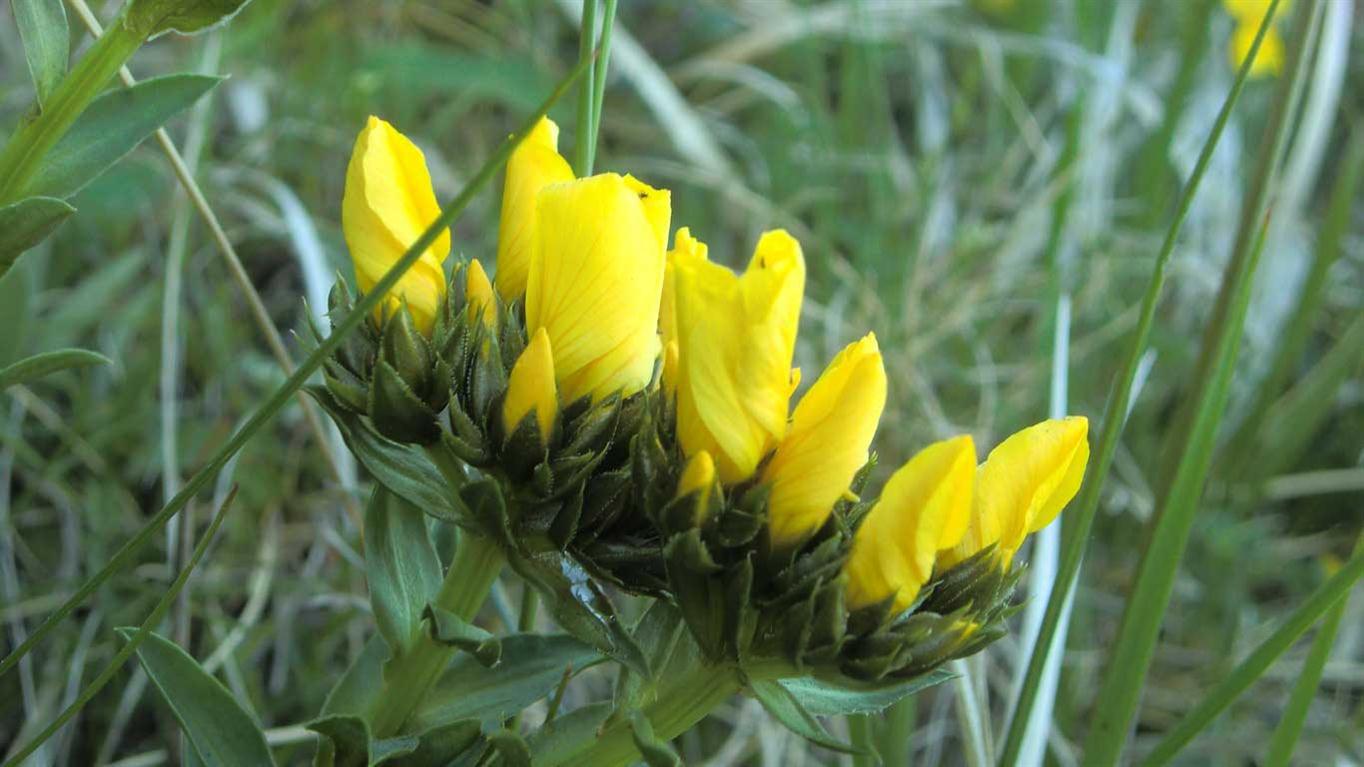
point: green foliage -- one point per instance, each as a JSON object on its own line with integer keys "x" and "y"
{"x": 42, "y": 27}
{"x": 39, "y": 365}
{"x": 188, "y": 17}
{"x": 401, "y": 567}
{"x": 219, "y": 730}
{"x": 26, "y": 223}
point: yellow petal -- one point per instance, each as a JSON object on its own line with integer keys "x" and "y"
{"x": 684, "y": 247}
{"x": 388, "y": 203}
{"x": 699, "y": 475}
{"x": 596, "y": 282}
{"x": 1024, "y": 484}
{"x": 921, "y": 508}
{"x": 736, "y": 336}
{"x": 1253, "y": 11}
{"x": 531, "y": 387}
{"x": 478, "y": 295}
{"x": 1269, "y": 60}
{"x": 826, "y": 443}
{"x": 535, "y": 164}
{"x": 669, "y": 372}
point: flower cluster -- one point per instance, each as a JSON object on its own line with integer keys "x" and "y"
{"x": 629, "y": 405}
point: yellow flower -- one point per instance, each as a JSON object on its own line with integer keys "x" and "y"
{"x": 387, "y": 204}
{"x": 1253, "y": 11}
{"x": 1269, "y": 59}
{"x": 924, "y": 508}
{"x": 826, "y": 442}
{"x": 535, "y": 164}
{"x": 684, "y": 247}
{"x": 596, "y": 281}
{"x": 1023, "y": 485}
{"x": 478, "y": 295}
{"x": 736, "y": 335}
{"x": 531, "y": 388}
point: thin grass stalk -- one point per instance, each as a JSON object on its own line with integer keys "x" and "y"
{"x": 1286, "y": 734}
{"x": 290, "y": 387}
{"x": 895, "y": 737}
{"x": 1131, "y": 655}
{"x": 1078, "y": 523}
{"x": 972, "y": 714}
{"x": 587, "y": 35}
{"x": 157, "y": 615}
{"x": 1288, "y": 352}
{"x": 1330, "y": 594}
{"x": 259, "y": 314}
{"x": 599, "y": 71}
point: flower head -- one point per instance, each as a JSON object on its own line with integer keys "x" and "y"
{"x": 596, "y": 280}
{"x": 736, "y": 336}
{"x": 924, "y": 507}
{"x": 535, "y": 164}
{"x": 388, "y": 203}
{"x": 826, "y": 443}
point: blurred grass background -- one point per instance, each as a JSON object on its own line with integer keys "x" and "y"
{"x": 921, "y": 150}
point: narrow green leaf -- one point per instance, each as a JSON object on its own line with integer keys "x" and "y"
{"x": 1305, "y": 688}
{"x": 26, "y": 223}
{"x": 355, "y": 690}
{"x": 14, "y": 298}
{"x": 1258, "y": 662}
{"x": 845, "y": 696}
{"x": 656, "y": 752}
{"x": 283, "y": 394}
{"x": 111, "y": 127}
{"x": 188, "y": 17}
{"x": 560, "y": 740}
{"x": 43, "y": 30}
{"x": 401, "y": 565}
{"x": 531, "y": 667}
{"x": 511, "y": 747}
{"x": 785, "y": 708}
{"x": 453, "y": 631}
{"x": 39, "y": 365}
{"x": 219, "y": 728}
{"x": 1193, "y": 444}
{"x": 17, "y": 756}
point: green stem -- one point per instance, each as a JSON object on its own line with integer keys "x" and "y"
{"x": 599, "y": 82}
{"x": 582, "y": 163}
{"x": 681, "y": 702}
{"x": 408, "y": 678}
{"x": 860, "y": 735}
{"x": 21, "y": 157}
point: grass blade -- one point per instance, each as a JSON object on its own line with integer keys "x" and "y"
{"x": 1332, "y": 593}
{"x": 134, "y": 641}
{"x": 587, "y": 34}
{"x": 1081, "y": 520}
{"x": 295, "y": 381}
{"x": 1193, "y": 446}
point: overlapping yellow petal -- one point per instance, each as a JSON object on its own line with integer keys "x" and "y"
{"x": 535, "y": 164}
{"x": 388, "y": 203}
{"x": 826, "y": 443}
{"x": 596, "y": 281}
{"x": 923, "y": 508}
{"x": 1023, "y": 485}
{"x": 736, "y": 336}
{"x": 478, "y": 295}
{"x": 530, "y": 387}
{"x": 699, "y": 475}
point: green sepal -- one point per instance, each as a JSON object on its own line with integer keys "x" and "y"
{"x": 787, "y": 709}
{"x": 396, "y": 410}
{"x": 467, "y": 441}
{"x": 448, "y": 629}
{"x": 838, "y": 696}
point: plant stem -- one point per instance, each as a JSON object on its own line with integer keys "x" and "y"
{"x": 682, "y": 700}
{"x": 22, "y": 156}
{"x": 408, "y": 678}
{"x": 582, "y": 163}
{"x": 599, "y": 82}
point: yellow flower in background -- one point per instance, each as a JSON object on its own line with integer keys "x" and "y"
{"x": 736, "y": 336}
{"x": 1023, "y": 485}
{"x": 530, "y": 388}
{"x": 1269, "y": 60}
{"x": 535, "y": 164}
{"x": 924, "y": 508}
{"x": 388, "y": 203}
{"x": 826, "y": 442}
{"x": 478, "y": 295}
{"x": 1248, "y": 14}
{"x": 596, "y": 280}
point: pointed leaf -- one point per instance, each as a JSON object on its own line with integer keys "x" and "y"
{"x": 39, "y": 365}
{"x": 656, "y": 753}
{"x": 42, "y": 27}
{"x": 357, "y": 688}
{"x": 111, "y": 127}
{"x": 402, "y": 567}
{"x": 188, "y": 17}
{"x": 26, "y": 223}
{"x": 784, "y": 707}
{"x": 217, "y": 726}
{"x": 452, "y": 630}
{"x": 845, "y": 696}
